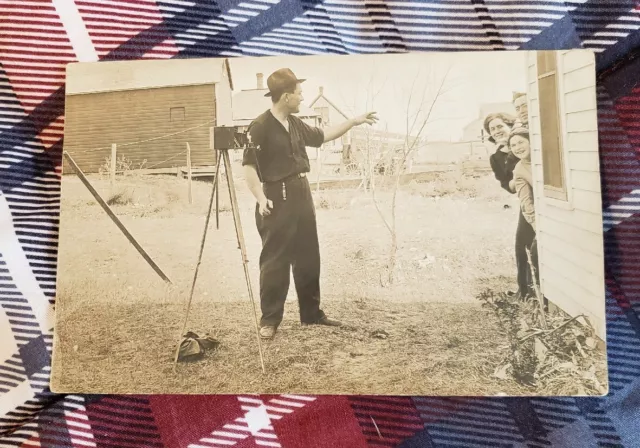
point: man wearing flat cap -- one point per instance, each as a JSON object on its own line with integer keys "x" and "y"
{"x": 276, "y": 167}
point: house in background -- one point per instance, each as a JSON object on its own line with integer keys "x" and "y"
{"x": 387, "y": 148}
{"x": 138, "y": 101}
{"x": 338, "y": 151}
{"x": 564, "y": 141}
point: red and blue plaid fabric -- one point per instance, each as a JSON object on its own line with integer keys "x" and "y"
{"x": 37, "y": 39}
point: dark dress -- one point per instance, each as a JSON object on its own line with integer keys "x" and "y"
{"x": 502, "y": 164}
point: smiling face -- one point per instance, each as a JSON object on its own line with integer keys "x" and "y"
{"x": 499, "y": 130}
{"x": 522, "y": 109}
{"x": 520, "y": 147}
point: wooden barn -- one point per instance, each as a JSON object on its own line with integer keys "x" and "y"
{"x": 564, "y": 141}
{"x": 150, "y": 109}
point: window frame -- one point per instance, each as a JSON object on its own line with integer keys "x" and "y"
{"x": 558, "y": 196}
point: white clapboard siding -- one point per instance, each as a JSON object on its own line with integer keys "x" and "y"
{"x": 586, "y": 180}
{"x": 582, "y": 121}
{"x": 576, "y": 219}
{"x": 586, "y": 141}
{"x": 584, "y": 161}
{"x": 569, "y": 233}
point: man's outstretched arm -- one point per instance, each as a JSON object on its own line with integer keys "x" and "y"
{"x": 339, "y": 130}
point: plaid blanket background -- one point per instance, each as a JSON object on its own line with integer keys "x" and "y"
{"x": 37, "y": 39}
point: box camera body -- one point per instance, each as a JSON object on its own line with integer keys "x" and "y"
{"x": 230, "y": 137}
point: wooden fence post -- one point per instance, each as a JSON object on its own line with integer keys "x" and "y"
{"x": 112, "y": 171}
{"x": 189, "y": 173}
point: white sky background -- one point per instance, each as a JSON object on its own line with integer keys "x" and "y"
{"x": 351, "y": 81}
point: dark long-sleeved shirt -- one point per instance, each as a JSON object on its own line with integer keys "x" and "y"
{"x": 502, "y": 164}
{"x": 278, "y": 153}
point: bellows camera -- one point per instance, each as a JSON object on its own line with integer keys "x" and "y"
{"x": 230, "y": 137}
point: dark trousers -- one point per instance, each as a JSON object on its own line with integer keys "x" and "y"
{"x": 525, "y": 236}
{"x": 289, "y": 240}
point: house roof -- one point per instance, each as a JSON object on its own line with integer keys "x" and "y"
{"x": 323, "y": 96}
{"x": 111, "y": 76}
{"x": 248, "y": 104}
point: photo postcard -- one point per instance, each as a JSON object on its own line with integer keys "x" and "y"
{"x": 382, "y": 224}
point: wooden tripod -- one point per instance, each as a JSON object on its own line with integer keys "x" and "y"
{"x": 224, "y": 154}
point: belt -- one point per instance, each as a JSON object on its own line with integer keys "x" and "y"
{"x": 288, "y": 178}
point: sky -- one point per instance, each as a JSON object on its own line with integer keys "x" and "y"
{"x": 401, "y": 87}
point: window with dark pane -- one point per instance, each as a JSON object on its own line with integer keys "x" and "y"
{"x": 552, "y": 163}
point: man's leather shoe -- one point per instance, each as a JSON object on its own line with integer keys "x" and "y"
{"x": 267, "y": 332}
{"x": 325, "y": 321}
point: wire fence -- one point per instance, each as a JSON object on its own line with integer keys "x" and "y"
{"x": 117, "y": 163}
{"x": 124, "y": 145}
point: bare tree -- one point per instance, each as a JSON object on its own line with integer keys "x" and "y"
{"x": 371, "y": 150}
{"x": 420, "y": 104}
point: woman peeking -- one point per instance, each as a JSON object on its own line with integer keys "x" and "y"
{"x": 523, "y": 182}
{"x": 498, "y": 126}
{"x": 503, "y": 163}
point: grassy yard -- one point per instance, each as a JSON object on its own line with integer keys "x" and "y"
{"x": 425, "y": 334}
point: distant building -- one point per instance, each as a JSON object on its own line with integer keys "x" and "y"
{"x": 139, "y": 101}
{"x": 336, "y": 151}
{"x": 386, "y": 147}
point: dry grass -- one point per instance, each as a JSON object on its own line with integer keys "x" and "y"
{"x": 123, "y": 321}
{"x": 386, "y": 348}
{"x": 559, "y": 355}
{"x": 454, "y": 184}
{"x": 122, "y": 197}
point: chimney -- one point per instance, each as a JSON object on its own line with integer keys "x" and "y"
{"x": 260, "y": 81}
{"x": 321, "y": 90}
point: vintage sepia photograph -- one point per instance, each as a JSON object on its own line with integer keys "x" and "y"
{"x": 397, "y": 224}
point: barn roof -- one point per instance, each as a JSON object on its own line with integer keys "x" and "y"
{"x": 248, "y": 104}
{"x": 111, "y": 76}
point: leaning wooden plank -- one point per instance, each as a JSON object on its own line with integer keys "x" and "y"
{"x": 114, "y": 218}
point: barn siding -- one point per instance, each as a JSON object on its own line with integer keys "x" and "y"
{"x": 97, "y": 120}
{"x": 570, "y": 239}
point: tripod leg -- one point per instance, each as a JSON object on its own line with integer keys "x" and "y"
{"x": 214, "y": 192}
{"x": 217, "y": 192}
{"x": 243, "y": 249}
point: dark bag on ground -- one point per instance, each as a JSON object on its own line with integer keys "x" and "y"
{"x": 193, "y": 347}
